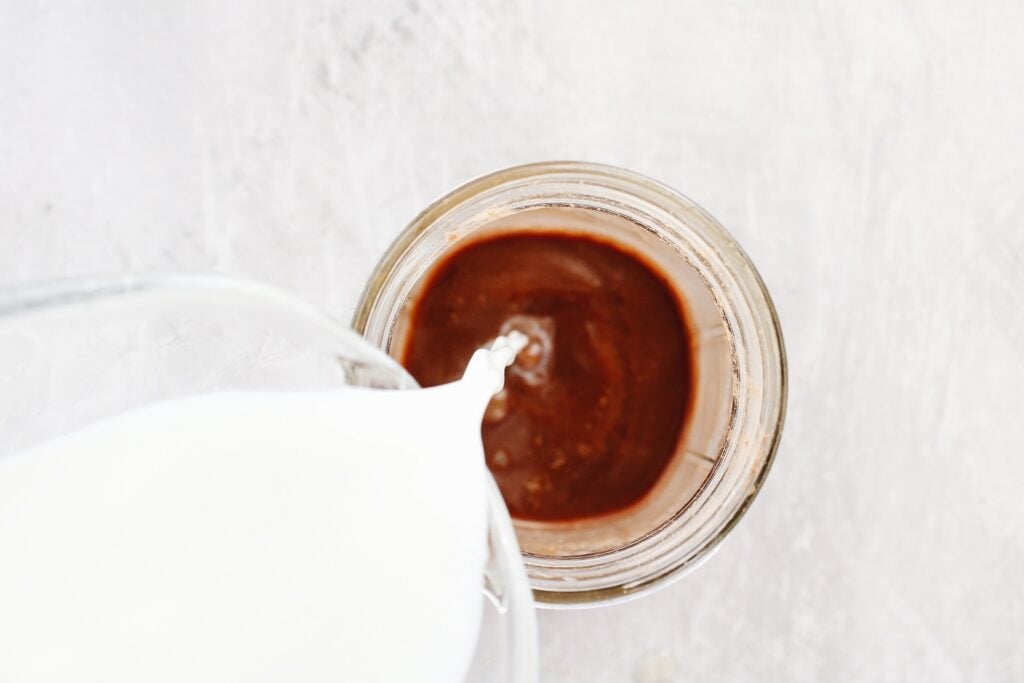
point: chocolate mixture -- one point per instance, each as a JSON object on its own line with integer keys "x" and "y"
{"x": 594, "y": 407}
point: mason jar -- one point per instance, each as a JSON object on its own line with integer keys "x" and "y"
{"x": 738, "y": 392}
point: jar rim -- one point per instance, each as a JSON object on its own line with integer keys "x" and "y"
{"x": 678, "y": 213}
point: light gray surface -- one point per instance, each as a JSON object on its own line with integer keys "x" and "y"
{"x": 870, "y": 159}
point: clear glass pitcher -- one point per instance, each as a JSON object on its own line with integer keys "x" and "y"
{"x": 73, "y": 352}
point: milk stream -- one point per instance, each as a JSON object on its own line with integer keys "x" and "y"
{"x": 329, "y": 536}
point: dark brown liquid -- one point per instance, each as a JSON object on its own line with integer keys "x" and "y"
{"x": 593, "y": 409}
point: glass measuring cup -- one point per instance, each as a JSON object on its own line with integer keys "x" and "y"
{"x": 77, "y": 351}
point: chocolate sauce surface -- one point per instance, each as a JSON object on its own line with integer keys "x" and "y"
{"x": 593, "y": 408}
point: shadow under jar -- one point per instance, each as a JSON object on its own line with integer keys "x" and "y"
{"x": 730, "y": 396}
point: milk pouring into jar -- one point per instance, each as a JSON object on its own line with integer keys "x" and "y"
{"x": 337, "y": 535}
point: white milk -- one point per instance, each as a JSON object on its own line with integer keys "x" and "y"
{"x": 332, "y": 536}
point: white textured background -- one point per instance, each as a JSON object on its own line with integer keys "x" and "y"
{"x": 869, "y": 157}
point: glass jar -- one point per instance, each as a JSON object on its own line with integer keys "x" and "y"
{"x": 76, "y": 351}
{"x": 735, "y": 423}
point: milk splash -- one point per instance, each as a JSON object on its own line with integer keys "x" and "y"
{"x": 327, "y": 536}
